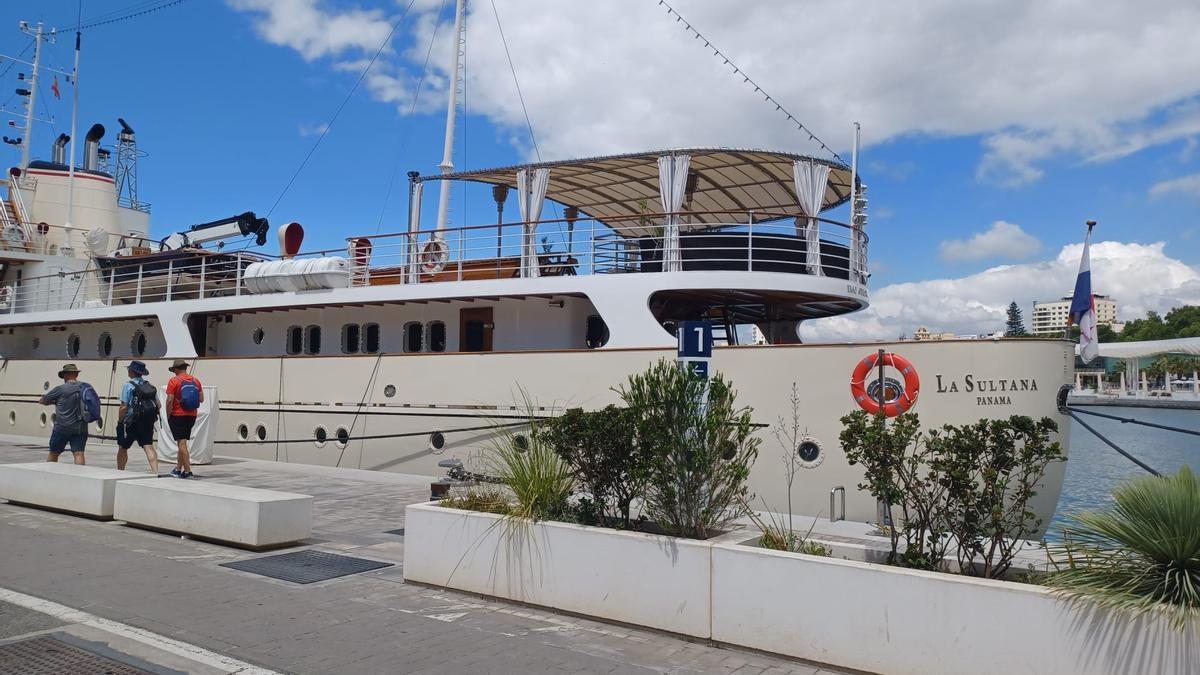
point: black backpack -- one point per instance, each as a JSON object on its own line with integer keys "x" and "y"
{"x": 144, "y": 404}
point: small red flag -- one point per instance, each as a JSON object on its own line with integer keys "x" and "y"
{"x": 54, "y": 88}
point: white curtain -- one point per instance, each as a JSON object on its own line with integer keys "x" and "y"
{"x": 811, "y": 178}
{"x": 414, "y": 224}
{"x": 531, "y": 194}
{"x": 200, "y": 446}
{"x": 672, "y": 183}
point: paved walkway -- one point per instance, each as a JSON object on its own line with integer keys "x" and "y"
{"x": 162, "y": 603}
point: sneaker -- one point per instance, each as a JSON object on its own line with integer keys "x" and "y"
{"x": 186, "y": 474}
{"x": 176, "y": 472}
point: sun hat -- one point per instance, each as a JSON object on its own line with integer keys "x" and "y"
{"x": 69, "y": 368}
{"x": 179, "y": 364}
{"x": 138, "y": 367}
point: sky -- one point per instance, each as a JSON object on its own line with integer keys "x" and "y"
{"x": 992, "y": 130}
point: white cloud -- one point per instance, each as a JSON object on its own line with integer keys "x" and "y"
{"x": 1036, "y": 79}
{"x": 1141, "y": 277}
{"x": 312, "y": 129}
{"x": 1184, "y": 184}
{"x": 1001, "y": 240}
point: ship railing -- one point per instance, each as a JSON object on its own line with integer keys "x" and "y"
{"x": 131, "y": 282}
{"x": 758, "y": 241}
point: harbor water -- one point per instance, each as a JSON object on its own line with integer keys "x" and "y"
{"x": 1094, "y": 469}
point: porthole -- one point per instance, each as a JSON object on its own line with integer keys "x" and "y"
{"x": 137, "y": 346}
{"x": 243, "y": 431}
{"x": 343, "y": 437}
{"x": 12, "y": 418}
{"x": 42, "y": 419}
{"x": 521, "y": 442}
{"x": 809, "y": 452}
{"x": 100, "y": 424}
{"x": 46, "y": 386}
{"x": 37, "y": 343}
{"x": 596, "y": 333}
{"x": 53, "y": 418}
{"x": 320, "y": 436}
{"x": 389, "y": 391}
{"x": 258, "y": 336}
{"x": 261, "y": 432}
{"x": 437, "y": 442}
{"x": 73, "y": 343}
{"x": 104, "y": 346}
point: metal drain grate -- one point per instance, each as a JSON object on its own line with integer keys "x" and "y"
{"x": 398, "y": 533}
{"x": 306, "y": 567}
{"x": 51, "y": 656}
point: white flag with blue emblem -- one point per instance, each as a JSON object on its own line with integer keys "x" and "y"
{"x": 1083, "y": 305}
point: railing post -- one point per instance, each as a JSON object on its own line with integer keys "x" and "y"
{"x": 137, "y": 298}
{"x": 237, "y": 277}
{"x": 202, "y": 260}
{"x": 592, "y": 239}
{"x": 112, "y": 281}
{"x": 170, "y": 277}
{"x": 462, "y": 233}
{"x": 750, "y": 246}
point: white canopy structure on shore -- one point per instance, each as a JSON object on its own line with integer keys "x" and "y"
{"x": 1133, "y": 350}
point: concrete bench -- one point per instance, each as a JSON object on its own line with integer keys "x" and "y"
{"x": 233, "y": 514}
{"x": 85, "y": 490}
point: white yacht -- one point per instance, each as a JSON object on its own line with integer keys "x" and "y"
{"x": 396, "y": 351}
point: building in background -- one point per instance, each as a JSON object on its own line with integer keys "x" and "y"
{"x": 1050, "y": 317}
{"x": 924, "y": 333}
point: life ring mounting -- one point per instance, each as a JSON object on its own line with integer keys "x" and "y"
{"x": 904, "y": 399}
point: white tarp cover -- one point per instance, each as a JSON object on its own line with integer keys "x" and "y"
{"x": 1133, "y": 350}
{"x": 414, "y": 224}
{"x": 672, "y": 183}
{"x": 531, "y": 195}
{"x": 200, "y": 448}
{"x": 811, "y": 178}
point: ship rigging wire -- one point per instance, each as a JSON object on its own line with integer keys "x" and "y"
{"x": 746, "y": 79}
{"x": 513, "y": 69}
{"x": 142, "y": 9}
{"x": 329, "y": 125}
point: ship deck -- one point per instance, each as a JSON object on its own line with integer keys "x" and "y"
{"x": 162, "y": 602}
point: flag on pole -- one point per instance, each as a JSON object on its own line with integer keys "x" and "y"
{"x": 54, "y": 88}
{"x": 1083, "y": 304}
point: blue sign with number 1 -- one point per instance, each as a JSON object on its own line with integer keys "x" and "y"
{"x": 695, "y": 340}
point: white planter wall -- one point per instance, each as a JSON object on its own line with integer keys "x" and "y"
{"x": 661, "y": 582}
{"x": 850, "y": 614}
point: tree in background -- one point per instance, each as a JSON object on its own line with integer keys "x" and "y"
{"x": 1178, "y": 323}
{"x": 1015, "y": 326}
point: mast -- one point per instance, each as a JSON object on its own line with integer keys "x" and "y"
{"x": 74, "y": 117}
{"x": 39, "y": 36}
{"x": 447, "y": 165}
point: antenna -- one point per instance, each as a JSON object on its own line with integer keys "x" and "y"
{"x": 40, "y": 36}
{"x": 127, "y": 165}
{"x": 447, "y": 165}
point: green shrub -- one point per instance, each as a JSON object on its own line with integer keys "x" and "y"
{"x": 965, "y": 487}
{"x": 698, "y": 446}
{"x": 608, "y": 466}
{"x": 1141, "y": 554}
{"x": 540, "y": 481}
{"x": 485, "y": 499}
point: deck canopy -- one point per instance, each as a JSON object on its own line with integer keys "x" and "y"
{"x": 724, "y": 185}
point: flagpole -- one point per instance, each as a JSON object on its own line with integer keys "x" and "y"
{"x": 74, "y": 117}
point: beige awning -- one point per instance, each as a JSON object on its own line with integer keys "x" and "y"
{"x": 623, "y": 192}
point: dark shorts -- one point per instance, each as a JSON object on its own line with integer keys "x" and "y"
{"x": 59, "y": 440}
{"x": 181, "y": 426}
{"x": 141, "y": 434}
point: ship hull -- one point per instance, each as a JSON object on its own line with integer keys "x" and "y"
{"x": 399, "y": 401}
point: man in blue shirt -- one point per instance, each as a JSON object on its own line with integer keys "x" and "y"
{"x": 137, "y": 415}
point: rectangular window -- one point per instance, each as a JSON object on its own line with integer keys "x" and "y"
{"x": 414, "y": 337}
{"x": 371, "y": 338}
{"x": 295, "y": 340}
{"x": 350, "y": 338}
{"x": 313, "y": 343}
{"x": 437, "y": 336}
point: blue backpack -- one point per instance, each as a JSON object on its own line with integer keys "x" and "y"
{"x": 189, "y": 395}
{"x": 89, "y": 402}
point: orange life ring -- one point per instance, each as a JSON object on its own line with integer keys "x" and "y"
{"x": 907, "y": 398}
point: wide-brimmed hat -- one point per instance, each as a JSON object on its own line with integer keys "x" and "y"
{"x": 69, "y": 368}
{"x": 179, "y": 364}
{"x": 138, "y": 367}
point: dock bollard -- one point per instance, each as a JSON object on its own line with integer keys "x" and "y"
{"x": 439, "y": 489}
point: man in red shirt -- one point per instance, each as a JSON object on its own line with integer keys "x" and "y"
{"x": 184, "y": 396}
